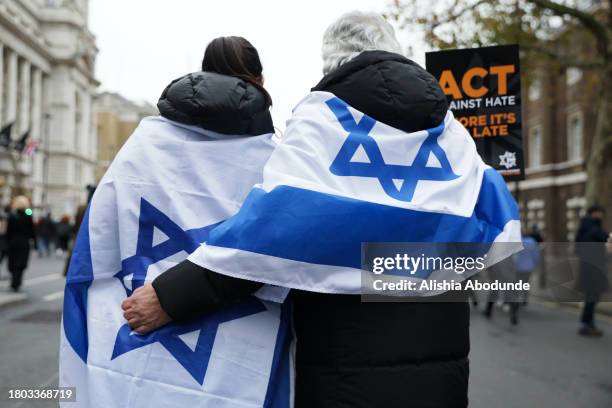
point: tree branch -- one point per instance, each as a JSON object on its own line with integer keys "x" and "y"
{"x": 454, "y": 16}
{"x": 435, "y": 20}
{"x": 598, "y": 29}
{"x": 561, "y": 59}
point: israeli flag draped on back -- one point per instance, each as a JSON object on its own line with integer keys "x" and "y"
{"x": 340, "y": 178}
{"x": 168, "y": 187}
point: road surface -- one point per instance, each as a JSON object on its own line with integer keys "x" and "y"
{"x": 542, "y": 362}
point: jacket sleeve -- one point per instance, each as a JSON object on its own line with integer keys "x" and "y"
{"x": 187, "y": 291}
{"x": 599, "y": 234}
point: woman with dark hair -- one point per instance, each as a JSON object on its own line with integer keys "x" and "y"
{"x": 236, "y": 57}
{"x": 229, "y": 93}
{"x": 176, "y": 177}
{"x": 227, "y": 97}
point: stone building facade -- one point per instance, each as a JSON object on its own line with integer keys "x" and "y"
{"x": 47, "y": 57}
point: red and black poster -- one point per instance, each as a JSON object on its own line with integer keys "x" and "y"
{"x": 483, "y": 87}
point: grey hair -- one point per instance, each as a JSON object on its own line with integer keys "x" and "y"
{"x": 353, "y": 33}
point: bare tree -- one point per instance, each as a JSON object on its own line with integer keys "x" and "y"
{"x": 556, "y": 34}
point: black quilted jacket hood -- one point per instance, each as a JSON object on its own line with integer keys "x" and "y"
{"x": 389, "y": 88}
{"x": 220, "y": 103}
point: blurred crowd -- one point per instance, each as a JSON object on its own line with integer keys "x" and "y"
{"x": 592, "y": 249}
{"x": 20, "y": 232}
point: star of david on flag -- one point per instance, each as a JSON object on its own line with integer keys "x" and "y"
{"x": 142, "y": 220}
{"x": 149, "y": 252}
{"x": 193, "y": 358}
{"x": 406, "y": 176}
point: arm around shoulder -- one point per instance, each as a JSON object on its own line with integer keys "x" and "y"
{"x": 188, "y": 291}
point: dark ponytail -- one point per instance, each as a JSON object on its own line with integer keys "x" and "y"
{"x": 235, "y": 56}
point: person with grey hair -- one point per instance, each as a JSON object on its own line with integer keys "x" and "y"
{"x": 354, "y": 33}
{"x": 349, "y": 353}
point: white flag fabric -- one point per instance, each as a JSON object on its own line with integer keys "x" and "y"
{"x": 339, "y": 179}
{"x": 168, "y": 187}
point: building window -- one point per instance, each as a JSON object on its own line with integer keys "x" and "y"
{"x": 574, "y": 136}
{"x": 535, "y": 215}
{"x": 535, "y": 89}
{"x": 573, "y": 76}
{"x": 574, "y": 211}
{"x": 535, "y": 146}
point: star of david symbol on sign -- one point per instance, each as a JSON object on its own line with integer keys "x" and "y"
{"x": 190, "y": 344}
{"x": 508, "y": 160}
{"x": 398, "y": 181}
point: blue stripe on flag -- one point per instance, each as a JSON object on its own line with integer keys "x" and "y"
{"x": 80, "y": 276}
{"x": 308, "y": 226}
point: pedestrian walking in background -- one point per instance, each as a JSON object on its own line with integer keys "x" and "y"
{"x": 536, "y": 234}
{"x": 45, "y": 235}
{"x": 592, "y": 280}
{"x": 63, "y": 233}
{"x": 78, "y": 219}
{"x": 472, "y": 295}
{"x": 3, "y": 224}
{"x": 504, "y": 271}
{"x": 19, "y": 233}
{"x": 525, "y": 262}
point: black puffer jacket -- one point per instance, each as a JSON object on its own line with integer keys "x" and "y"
{"x": 220, "y": 103}
{"x": 352, "y": 354}
{"x": 390, "y": 88}
{"x": 371, "y": 355}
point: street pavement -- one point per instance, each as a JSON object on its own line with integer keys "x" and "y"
{"x": 29, "y": 334}
{"x": 541, "y": 363}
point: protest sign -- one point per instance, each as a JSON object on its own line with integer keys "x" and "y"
{"x": 484, "y": 91}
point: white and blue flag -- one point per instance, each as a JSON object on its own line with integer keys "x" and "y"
{"x": 339, "y": 179}
{"x": 168, "y": 187}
